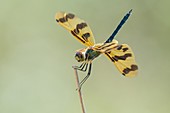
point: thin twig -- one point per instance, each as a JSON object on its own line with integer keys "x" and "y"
{"x": 79, "y": 90}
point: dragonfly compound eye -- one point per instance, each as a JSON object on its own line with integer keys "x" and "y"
{"x": 79, "y": 56}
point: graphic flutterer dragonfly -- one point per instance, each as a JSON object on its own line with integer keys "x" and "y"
{"x": 120, "y": 54}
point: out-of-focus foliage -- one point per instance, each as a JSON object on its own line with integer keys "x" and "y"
{"x": 36, "y": 56}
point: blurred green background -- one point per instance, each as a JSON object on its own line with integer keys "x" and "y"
{"x": 36, "y": 55}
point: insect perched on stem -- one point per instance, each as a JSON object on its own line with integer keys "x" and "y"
{"x": 120, "y": 54}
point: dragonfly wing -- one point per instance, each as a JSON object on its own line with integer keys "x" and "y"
{"x": 78, "y": 27}
{"x": 105, "y": 47}
{"x": 124, "y": 59}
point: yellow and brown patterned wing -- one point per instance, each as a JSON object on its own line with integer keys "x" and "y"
{"x": 124, "y": 59}
{"x": 105, "y": 47}
{"x": 78, "y": 27}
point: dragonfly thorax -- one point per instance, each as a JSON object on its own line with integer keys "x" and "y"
{"x": 87, "y": 54}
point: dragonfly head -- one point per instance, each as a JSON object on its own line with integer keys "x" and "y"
{"x": 79, "y": 56}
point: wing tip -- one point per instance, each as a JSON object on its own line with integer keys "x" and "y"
{"x": 59, "y": 15}
{"x": 131, "y": 72}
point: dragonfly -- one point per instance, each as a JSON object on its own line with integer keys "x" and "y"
{"x": 120, "y": 54}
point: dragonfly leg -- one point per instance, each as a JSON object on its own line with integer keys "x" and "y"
{"x": 82, "y": 67}
{"x": 78, "y": 67}
{"x": 87, "y": 76}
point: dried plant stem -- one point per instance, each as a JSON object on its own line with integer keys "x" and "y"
{"x": 79, "y": 90}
